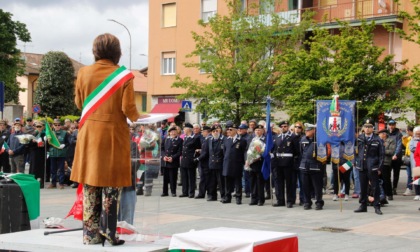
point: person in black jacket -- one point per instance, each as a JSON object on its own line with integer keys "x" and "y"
{"x": 171, "y": 152}
{"x": 311, "y": 169}
{"x": 285, "y": 148}
{"x": 233, "y": 163}
{"x": 4, "y": 156}
{"x": 203, "y": 163}
{"x": 37, "y": 153}
{"x": 216, "y": 156}
{"x": 371, "y": 154}
{"x": 188, "y": 162}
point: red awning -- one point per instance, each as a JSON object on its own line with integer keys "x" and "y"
{"x": 166, "y": 108}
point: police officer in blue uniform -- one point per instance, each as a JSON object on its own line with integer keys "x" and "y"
{"x": 285, "y": 148}
{"x": 171, "y": 152}
{"x": 188, "y": 162}
{"x": 216, "y": 156}
{"x": 233, "y": 163}
{"x": 203, "y": 163}
{"x": 311, "y": 169}
{"x": 371, "y": 154}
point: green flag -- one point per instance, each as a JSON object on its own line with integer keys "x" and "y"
{"x": 52, "y": 138}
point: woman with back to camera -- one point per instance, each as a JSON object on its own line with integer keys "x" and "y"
{"x": 102, "y": 158}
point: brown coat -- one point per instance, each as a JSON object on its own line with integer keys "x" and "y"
{"x": 102, "y": 156}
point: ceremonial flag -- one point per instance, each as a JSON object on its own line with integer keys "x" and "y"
{"x": 346, "y": 166}
{"x": 52, "y": 138}
{"x": 4, "y": 147}
{"x": 77, "y": 208}
{"x": 268, "y": 144}
{"x": 336, "y": 126}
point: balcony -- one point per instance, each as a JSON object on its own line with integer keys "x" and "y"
{"x": 328, "y": 11}
{"x": 354, "y": 10}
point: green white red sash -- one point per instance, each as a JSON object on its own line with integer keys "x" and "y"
{"x": 109, "y": 86}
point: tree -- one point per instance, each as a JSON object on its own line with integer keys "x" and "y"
{"x": 240, "y": 53}
{"x": 55, "y": 90}
{"x": 411, "y": 19}
{"x": 349, "y": 59}
{"x": 11, "y": 65}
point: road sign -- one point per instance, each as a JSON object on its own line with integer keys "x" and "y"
{"x": 36, "y": 109}
{"x": 186, "y": 106}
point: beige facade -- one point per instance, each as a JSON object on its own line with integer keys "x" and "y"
{"x": 171, "y": 23}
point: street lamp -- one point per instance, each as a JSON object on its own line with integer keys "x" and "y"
{"x": 129, "y": 34}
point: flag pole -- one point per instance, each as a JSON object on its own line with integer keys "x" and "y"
{"x": 339, "y": 186}
{"x": 45, "y": 151}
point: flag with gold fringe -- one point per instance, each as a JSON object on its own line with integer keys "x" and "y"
{"x": 335, "y": 125}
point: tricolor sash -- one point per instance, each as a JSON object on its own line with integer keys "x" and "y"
{"x": 101, "y": 93}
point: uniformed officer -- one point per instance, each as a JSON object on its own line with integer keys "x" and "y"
{"x": 215, "y": 150}
{"x": 171, "y": 152}
{"x": 255, "y": 175}
{"x": 311, "y": 169}
{"x": 203, "y": 163}
{"x": 233, "y": 163}
{"x": 188, "y": 164}
{"x": 285, "y": 148}
{"x": 371, "y": 154}
{"x": 243, "y": 131}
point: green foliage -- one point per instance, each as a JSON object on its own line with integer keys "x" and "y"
{"x": 349, "y": 59}
{"x": 240, "y": 54}
{"x": 55, "y": 90}
{"x": 411, "y": 19}
{"x": 11, "y": 65}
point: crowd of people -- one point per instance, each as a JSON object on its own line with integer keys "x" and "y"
{"x": 229, "y": 162}
{"x": 24, "y": 143}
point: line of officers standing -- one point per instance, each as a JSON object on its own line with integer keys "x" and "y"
{"x": 221, "y": 158}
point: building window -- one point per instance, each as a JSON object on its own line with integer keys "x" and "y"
{"x": 209, "y": 9}
{"x": 143, "y": 102}
{"x": 266, "y": 7}
{"x": 168, "y": 63}
{"x": 169, "y": 15}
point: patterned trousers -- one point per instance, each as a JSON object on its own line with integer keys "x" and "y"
{"x": 100, "y": 213}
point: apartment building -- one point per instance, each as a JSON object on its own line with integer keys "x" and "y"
{"x": 170, "y": 39}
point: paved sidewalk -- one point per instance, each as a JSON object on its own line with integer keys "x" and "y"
{"x": 398, "y": 229}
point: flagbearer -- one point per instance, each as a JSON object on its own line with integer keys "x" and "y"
{"x": 371, "y": 154}
{"x": 102, "y": 160}
{"x": 58, "y": 155}
{"x": 343, "y": 166}
{"x": 310, "y": 169}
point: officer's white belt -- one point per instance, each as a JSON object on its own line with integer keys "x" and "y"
{"x": 284, "y": 154}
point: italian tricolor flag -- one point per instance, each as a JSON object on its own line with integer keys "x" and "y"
{"x": 4, "y": 147}
{"x": 108, "y": 87}
{"x": 346, "y": 166}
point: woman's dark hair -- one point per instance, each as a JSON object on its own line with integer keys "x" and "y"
{"x": 107, "y": 46}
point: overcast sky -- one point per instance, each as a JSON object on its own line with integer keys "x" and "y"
{"x": 72, "y": 25}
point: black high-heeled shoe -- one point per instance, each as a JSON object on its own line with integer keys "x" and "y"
{"x": 113, "y": 242}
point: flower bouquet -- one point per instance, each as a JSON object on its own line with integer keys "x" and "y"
{"x": 255, "y": 150}
{"x": 25, "y": 138}
{"x": 149, "y": 139}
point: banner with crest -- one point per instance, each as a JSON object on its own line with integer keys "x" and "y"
{"x": 335, "y": 126}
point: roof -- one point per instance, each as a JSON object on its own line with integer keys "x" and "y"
{"x": 33, "y": 64}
